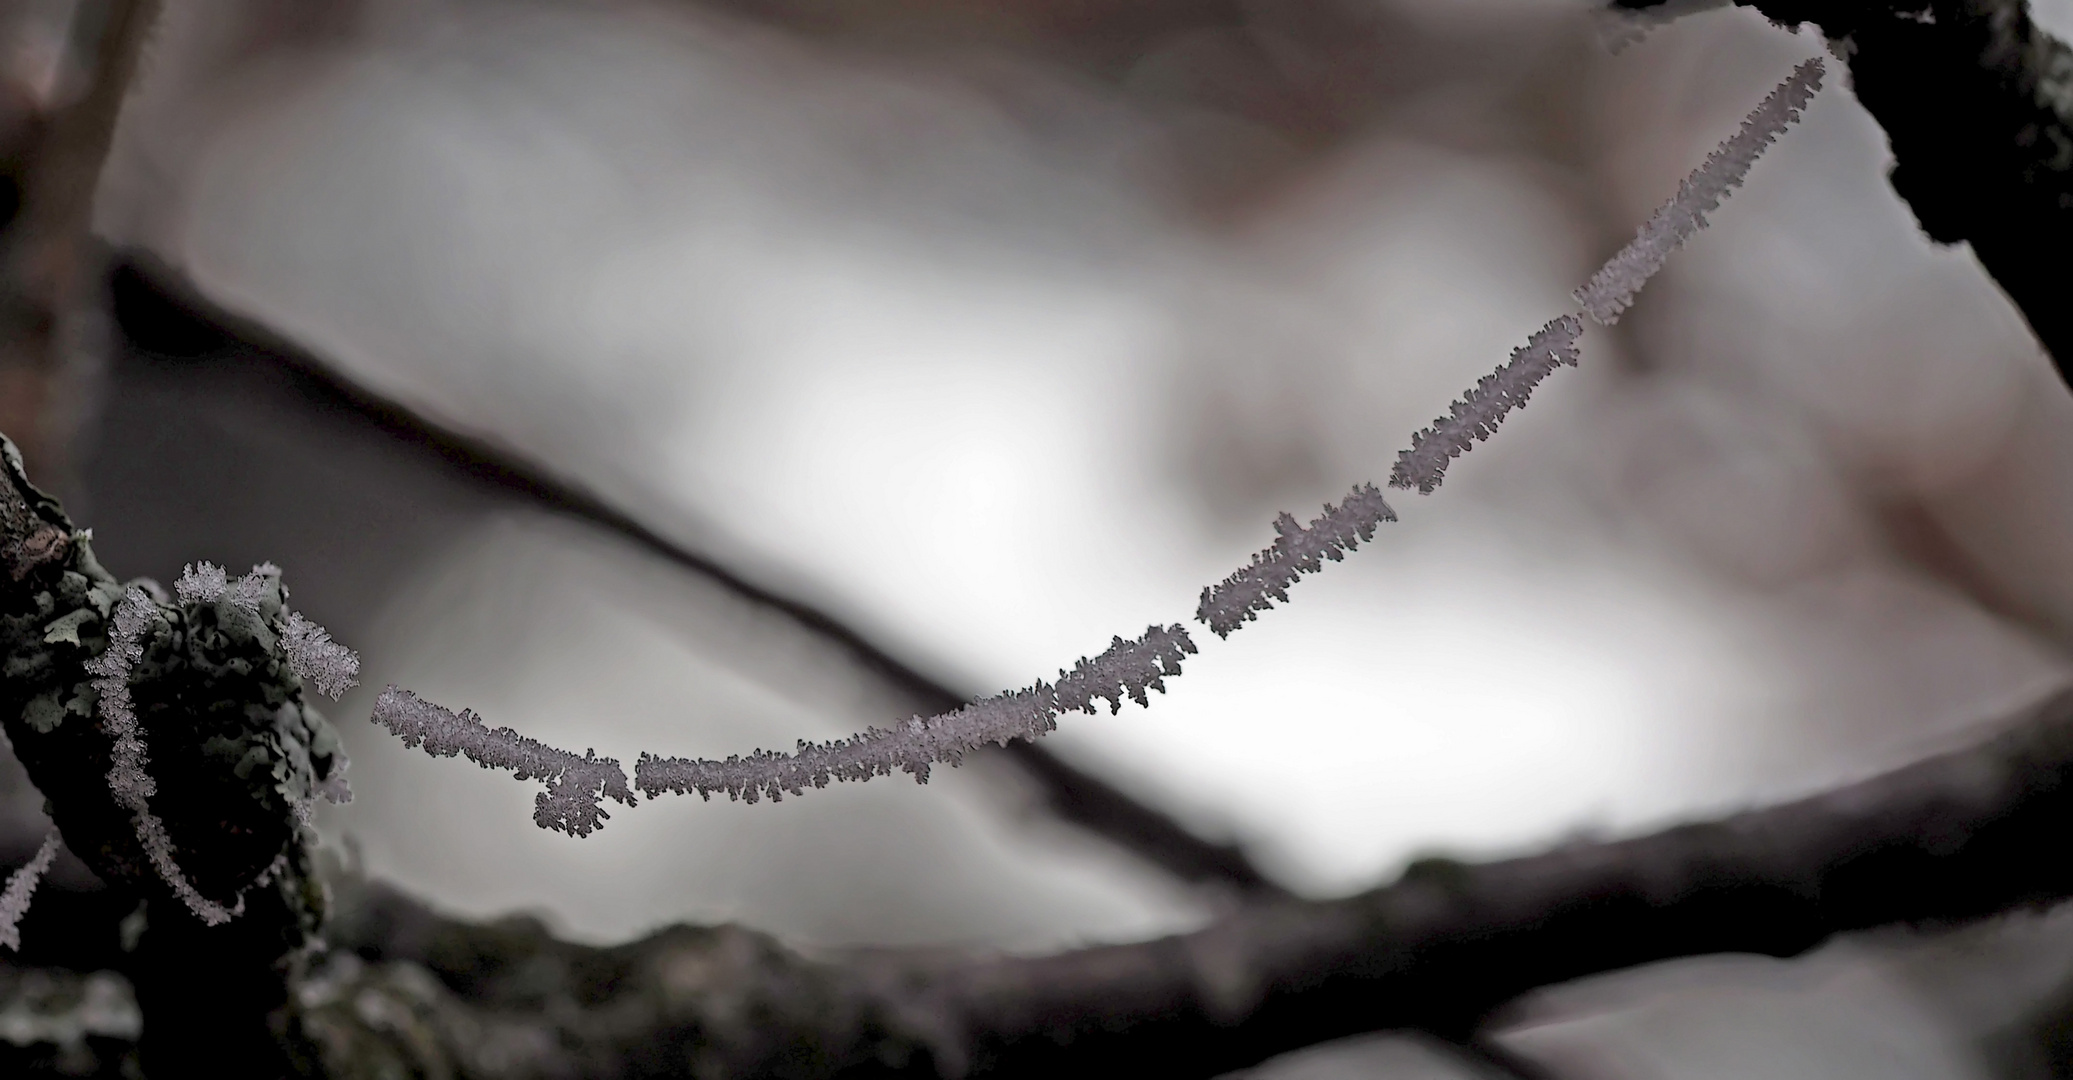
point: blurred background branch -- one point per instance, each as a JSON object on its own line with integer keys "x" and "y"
{"x": 56, "y": 126}
{"x": 166, "y": 310}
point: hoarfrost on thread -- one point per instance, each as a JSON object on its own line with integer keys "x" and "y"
{"x": 1296, "y": 551}
{"x": 128, "y": 777}
{"x": 201, "y": 583}
{"x": 206, "y": 583}
{"x": 159, "y": 846}
{"x": 316, "y": 659}
{"x": 1476, "y": 415}
{"x": 21, "y": 888}
{"x": 1125, "y": 669}
{"x": 1611, "y": 290}
{"x": 575, "y": 785}
{"x": 111, "y": 671}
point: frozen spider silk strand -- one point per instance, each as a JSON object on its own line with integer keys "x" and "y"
{"x": 1125, "y": 669}
{"x": 1297, "y": 550}
{"x": 1475, "y": 417}
{"x": 576, "y": 786}
{"x": 1611, "y": 290}
{"x": 316, "y": 659}
{"x": 21, "y": 888}
{"x": 127, "y": 775}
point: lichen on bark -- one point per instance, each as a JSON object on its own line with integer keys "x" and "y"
{"x": 235, "y": 751}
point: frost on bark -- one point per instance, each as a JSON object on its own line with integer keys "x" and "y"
{"x": 118, "y": 696}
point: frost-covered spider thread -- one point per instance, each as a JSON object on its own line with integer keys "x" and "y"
{"x": 1476, "y": 414}
{"x": 1611, "y": 290}
{"x": 574, "y": 784}
{"x": 128, "y": 775}
{"x": 1297, "y": 550}
{"x": 21, "y": 888}
{"x": 1125, "y": 669}
{"x": 317, "y": 660}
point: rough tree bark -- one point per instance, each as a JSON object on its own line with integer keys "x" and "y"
{"x": 231, "y": 747}
{"x": 1977, "y": 103}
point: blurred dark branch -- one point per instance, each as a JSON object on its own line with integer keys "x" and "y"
{"x": 1955, "y": 837}
{"x": 1977, "y": 103}
{"x": 1496, "y": 1059}
{"x": 1094, "y": 804}
{"x": 152, "y": 293}
{"x": 48, "y": 268}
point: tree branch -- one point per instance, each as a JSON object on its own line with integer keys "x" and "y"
{"x": 48, "y": 266}
{"x": 161, "y": 311}
{"x": 1958, "y": 836}
{"x": 1977, "y": 103}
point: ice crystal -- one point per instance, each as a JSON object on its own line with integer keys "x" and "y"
{"x": 1476, "y": 415}
{"x": 575, "y": 785}
{"x": 128, "y": 775}
{"x": 21, "y": 888}
{"x": 1296, "y": 551}
{"x": 201, "y": 583}
{"x": 316, "y": 659}
{"x": 1611, "y": 290}
{"x": 1125, "y": 669}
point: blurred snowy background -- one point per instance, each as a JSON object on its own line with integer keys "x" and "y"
{"x": 992, "y": 331}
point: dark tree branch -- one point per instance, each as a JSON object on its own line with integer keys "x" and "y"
{"x": 1958, "y": 836}
{"x": 1977, "y": 103}
{"x": 48, "y": 265}
{"x": 1499, "y": 1060}
{"x": 159, "y": 309}
{"x": 233, "y": 745}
